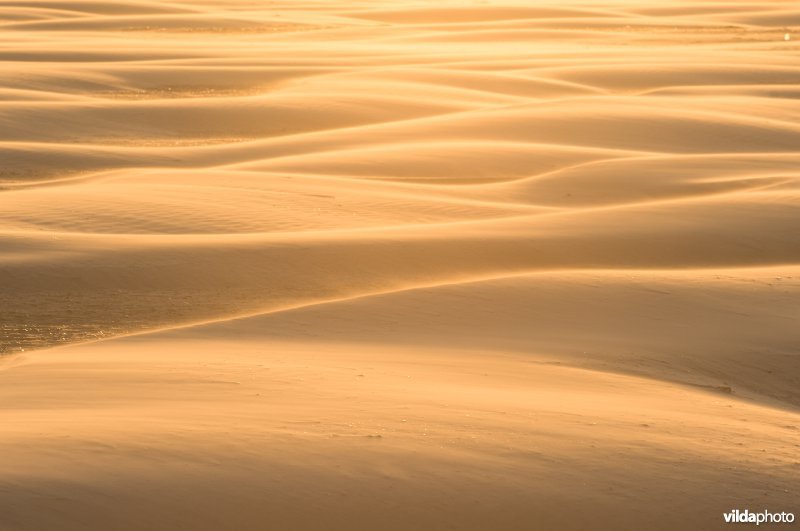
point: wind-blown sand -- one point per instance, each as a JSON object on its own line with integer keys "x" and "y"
{"x": 398, "y": 265}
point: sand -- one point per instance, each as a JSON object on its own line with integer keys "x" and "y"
{"x": 398, "y": 264}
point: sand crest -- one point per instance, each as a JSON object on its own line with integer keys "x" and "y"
{"x": 398, "y": 264}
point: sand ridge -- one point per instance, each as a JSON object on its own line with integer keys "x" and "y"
{"x": 462, "y": 265}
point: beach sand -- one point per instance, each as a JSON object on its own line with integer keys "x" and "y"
{"x": 398, "y": 264}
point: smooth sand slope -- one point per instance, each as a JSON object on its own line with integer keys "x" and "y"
{"x": 398, "y": 265}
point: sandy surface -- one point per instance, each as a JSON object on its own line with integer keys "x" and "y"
{"x": 398, "y": 265}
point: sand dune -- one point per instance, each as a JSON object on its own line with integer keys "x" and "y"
{"x": 398, "y": 265}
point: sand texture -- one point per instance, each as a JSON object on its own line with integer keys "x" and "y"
{"x": 398, "y": 265}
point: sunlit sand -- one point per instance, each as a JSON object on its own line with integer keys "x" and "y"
{"x": 398, "y": 265}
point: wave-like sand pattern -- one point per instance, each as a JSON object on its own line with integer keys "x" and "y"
{"x": 469, "y": 265}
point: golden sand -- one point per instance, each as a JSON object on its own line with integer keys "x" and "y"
{"x": 398, "y": 264}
